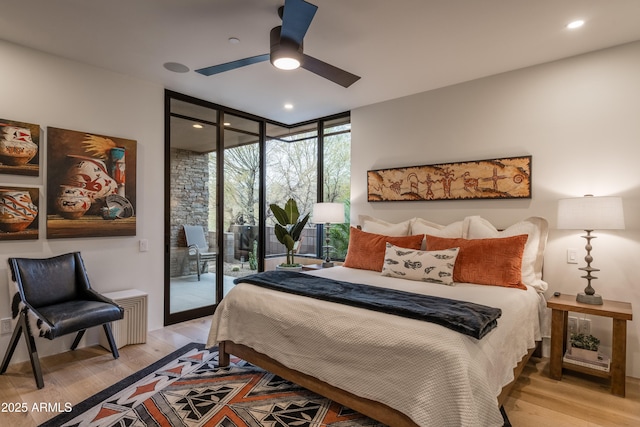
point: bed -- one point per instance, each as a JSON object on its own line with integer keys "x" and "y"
{"x": 397, "y": 370}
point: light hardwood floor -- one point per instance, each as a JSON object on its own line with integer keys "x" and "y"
{"x": 71, "y": 377}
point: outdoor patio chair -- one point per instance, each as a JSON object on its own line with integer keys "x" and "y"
{"x": 198, "y": 247}
{"x": 52, "y": 297}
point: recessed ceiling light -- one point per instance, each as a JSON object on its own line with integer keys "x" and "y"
{"x": 575, "y": 24}
{"x": 176, "y": 67}
{"x": 234, "y": 40}
{"x": 198, "y": 126}
{"x": 288, "y": 106}
{"x": 227, "y": 124}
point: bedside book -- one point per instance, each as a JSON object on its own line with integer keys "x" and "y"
{"x": 602, "y": 364}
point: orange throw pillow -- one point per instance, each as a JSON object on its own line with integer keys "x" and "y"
{"x": 496, "y": 262}
{"x": 366, "y": 250}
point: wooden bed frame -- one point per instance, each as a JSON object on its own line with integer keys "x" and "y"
{"x": 376, "y": 410}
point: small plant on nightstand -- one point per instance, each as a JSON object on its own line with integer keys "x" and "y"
{"x": 585, "y": 346}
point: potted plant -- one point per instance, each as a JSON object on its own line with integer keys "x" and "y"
{"x": 288, "y": 229}
{"x": 584, "y": 346}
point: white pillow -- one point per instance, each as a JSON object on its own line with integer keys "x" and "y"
{"x": 537, "y": 230}
{"x": 422, "y": 226}
{"x": 425, "y": 266}
{"x": 379, "y": 226}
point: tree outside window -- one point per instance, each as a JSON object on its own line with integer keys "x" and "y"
{"x": 291, "y": 172}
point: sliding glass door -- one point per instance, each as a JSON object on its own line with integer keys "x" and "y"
{"x": 241, "y": 202}
{"x": 213, "y": 211}
{"x": 191, "y": 187}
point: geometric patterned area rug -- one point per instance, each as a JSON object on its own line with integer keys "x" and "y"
{"x": 188, "y": 388}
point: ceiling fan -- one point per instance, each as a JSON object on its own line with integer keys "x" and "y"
{"x": 286, "y": 47}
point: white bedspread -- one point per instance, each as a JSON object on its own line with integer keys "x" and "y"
{"x": 435, "y": 376}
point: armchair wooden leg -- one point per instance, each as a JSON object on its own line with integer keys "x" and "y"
{"x": 12, "y": 346}
{"x": 21, "y": 328}
{"x": 35, "y": 360}
{"x": 112, "y": 342}
{"x": 77, "y": 340}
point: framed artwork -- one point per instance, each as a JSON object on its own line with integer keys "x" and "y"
{"x": 91, "y": 185}
{"x": 19, "y": 208}
{"x": 506, "y": 178}
{"x": 19, "y": 148}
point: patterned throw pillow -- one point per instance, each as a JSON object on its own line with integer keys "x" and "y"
{"x": 425, "y": 266}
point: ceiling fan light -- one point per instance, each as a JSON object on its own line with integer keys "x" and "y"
{"x": 286, "y": 54}
{"x": 286, "y": 63}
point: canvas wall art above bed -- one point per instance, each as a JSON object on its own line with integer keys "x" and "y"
{"x": 399, "y": 370}
{"x": 506, "y": 178}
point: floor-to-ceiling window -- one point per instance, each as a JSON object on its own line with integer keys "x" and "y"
{"x": 223, "y": 168}
{"x": 310, "y": 163}
{"x": 336, "y": 177}
{"x": 292, "y": 172}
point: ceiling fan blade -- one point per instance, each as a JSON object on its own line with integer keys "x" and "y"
{"x": 296, "y": 18}
{"x": 215, "y": 69}
{"x": 328, "y": 71}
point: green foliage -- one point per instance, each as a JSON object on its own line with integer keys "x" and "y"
{"x": 339, "y": 234}
{"x": 587, "y": 342}
{"x": 253, "y": 256}
{"x": 289, "y": 226}
{"x": 290, "y": 170}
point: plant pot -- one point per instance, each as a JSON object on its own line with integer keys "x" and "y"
{"x": 287, "y": 268}
{"x": 584, "y": 354}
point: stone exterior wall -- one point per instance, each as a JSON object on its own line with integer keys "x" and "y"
{"x": 189, "y": 202}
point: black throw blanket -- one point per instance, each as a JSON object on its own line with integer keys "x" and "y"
{"x": 468, "y": 318}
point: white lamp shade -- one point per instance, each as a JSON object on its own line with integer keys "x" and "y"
{"x": 591, "y": 213}
{"x": 328, "y": 213}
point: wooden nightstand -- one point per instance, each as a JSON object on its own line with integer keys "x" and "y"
{"x": 620, "y": 312}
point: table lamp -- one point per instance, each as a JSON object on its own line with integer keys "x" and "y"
{"x": 590, "y": 213}
{"x": 327, "y": 214}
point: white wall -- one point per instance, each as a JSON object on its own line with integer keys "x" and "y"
{"x": 51, "y": 91}
{"x": 578, "y": 118}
